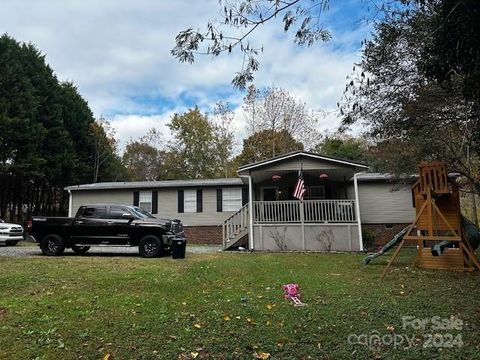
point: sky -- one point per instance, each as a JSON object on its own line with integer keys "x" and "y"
{"x": 117, "y": 53}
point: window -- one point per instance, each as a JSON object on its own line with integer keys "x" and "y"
{"x": 317, "y": 192}
{"x": 145, "y": 200}
{"x": 97, "y": 212}
{"x": 116, "y": 212}
{"x": 231, "y": 199}
{"x": 190, "y": 200}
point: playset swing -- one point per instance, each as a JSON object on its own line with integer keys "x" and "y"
{"x": 445, "y": 240}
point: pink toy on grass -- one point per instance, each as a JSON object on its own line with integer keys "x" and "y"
{"x": 290, "y": 292}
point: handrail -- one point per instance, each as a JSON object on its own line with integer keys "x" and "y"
{"x": 235, "y": 224}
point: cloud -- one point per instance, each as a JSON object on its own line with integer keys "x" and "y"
{"x": 117, "y": 53}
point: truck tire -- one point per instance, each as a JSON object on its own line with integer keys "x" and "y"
{"x": 150, "y": 246}
{"x": 80, "y": 250}
{"x": 52, "y": 245}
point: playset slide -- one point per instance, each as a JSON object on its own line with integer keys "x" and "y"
{"x": 396, "y": 239}
{"x": 471, "y": 231}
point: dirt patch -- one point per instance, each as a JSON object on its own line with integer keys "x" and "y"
{"x": 3, "y": 312}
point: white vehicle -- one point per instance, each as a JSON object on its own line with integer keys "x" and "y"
{"x": 10, "y": 234}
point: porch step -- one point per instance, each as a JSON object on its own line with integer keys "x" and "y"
{"x": 229, "y": 243}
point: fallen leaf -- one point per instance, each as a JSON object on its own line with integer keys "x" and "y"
{"x": 269, "y": 323}
{"x": 391, "y": 328}
{"x": 237, "y": 317}
{"x": 194, "y": 354}
{"x": 226, "y": 318}
{"x": 108, "y": 356}
{"x": 269, "y": 306}
{"x": 261, "y": 355}
{"x": 198, "y": 326}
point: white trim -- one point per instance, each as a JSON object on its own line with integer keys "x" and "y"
{"x": 357, "y": 209}
{"x": 70, "y": 204}
{"x": 248, "y": 167}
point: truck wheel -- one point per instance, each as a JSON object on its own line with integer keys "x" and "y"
{"x": 11, "y": 243}
{"x": 52, "y": 245}
{"x": 150, "y": 246}
{"x": 80, "y": 250}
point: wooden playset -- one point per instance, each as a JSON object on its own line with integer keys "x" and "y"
{"x": 438, "y": 229}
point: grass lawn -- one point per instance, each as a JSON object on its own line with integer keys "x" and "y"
{"x": 228, "y": 306}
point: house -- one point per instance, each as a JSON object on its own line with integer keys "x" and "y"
{"x": 257, "y": 209}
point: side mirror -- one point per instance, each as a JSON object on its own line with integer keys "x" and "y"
{"x": 127, "y": 216}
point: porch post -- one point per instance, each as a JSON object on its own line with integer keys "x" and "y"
{"x": 70, "y": 203}
{"x": 357, "y": 209}
{"x": 302, "y": 219}
{"x": 250, "y": 212}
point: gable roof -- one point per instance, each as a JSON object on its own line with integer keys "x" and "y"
{"x": 299, "y": 153}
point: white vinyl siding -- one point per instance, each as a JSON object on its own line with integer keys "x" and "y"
{"x": 190, "y": 201}
{"x": 231, "y": 199}
{"x": 145, "y": 200}
{"x": 384, "y": 203}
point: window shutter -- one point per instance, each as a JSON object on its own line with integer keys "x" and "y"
{"x": 136, "y": 198}
{"x": 219, "y": 200}
{"x": 244, "y": 196}
{"x": 180, "y": 201}
{"x": 199, "y": 200}
{"x": 154, "y": 202}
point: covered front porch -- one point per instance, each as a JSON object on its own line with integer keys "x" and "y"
{"x": 327, "y": 219}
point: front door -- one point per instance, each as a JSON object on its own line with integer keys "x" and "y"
{"x": 269, "y": 194}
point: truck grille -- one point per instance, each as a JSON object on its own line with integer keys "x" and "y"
{"x": 176, "y": 227}
{"x": 14, "y": 231}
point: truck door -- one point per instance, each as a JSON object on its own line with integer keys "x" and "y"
{"x": 90, "y": 225}
{"x": 119, "y": 225}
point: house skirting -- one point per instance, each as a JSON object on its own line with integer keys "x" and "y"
{"x": 203, "y": 234}
{"x": 317, "y": 237}
{"x": 382, "y": 233}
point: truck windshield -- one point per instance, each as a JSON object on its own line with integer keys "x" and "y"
{"x": 143, "y": 214}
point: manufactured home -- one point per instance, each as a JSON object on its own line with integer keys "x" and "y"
{"x": 342, "y": 203}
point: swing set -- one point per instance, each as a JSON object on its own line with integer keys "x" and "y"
{"x": 439, "y": 229}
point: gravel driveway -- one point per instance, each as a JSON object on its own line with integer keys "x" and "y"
{"x": 30, "y": 249}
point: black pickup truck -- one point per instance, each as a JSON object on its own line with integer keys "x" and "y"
{"x": 105, "y": 225}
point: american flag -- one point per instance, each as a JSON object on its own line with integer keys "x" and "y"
{"x": 299, "y": 189}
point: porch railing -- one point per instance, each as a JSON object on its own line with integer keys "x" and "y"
{"x": 308, "y": 211}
